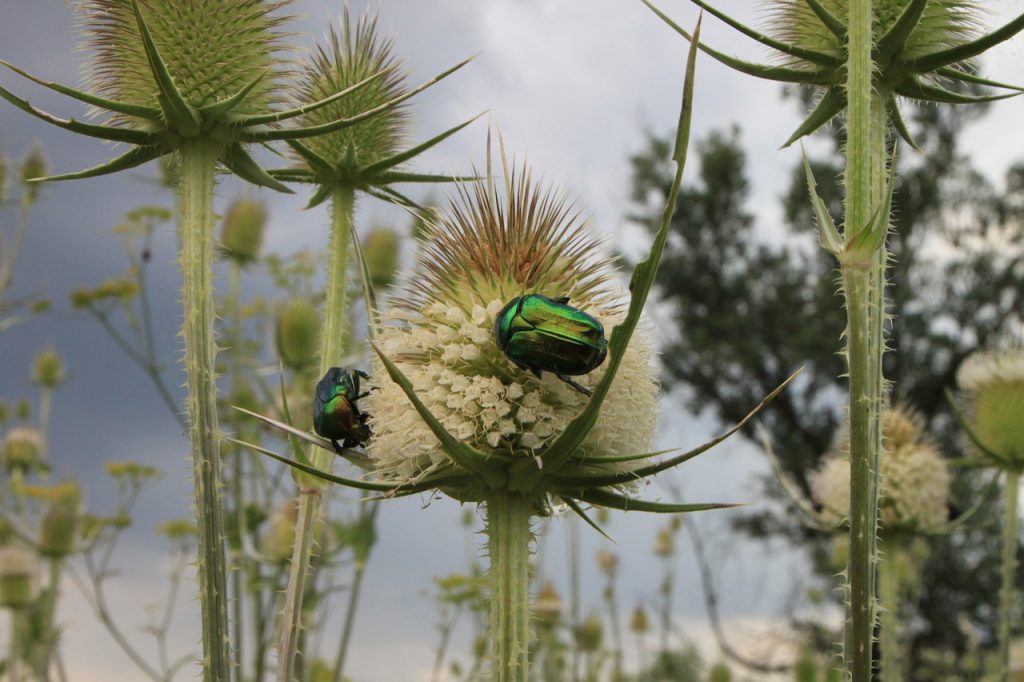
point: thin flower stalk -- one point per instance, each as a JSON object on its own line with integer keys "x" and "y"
{"x": 1008, "y": 597}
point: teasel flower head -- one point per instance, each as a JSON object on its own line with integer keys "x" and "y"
{"x": 490, "y": 246}
{"x": 993, "y": 384}
{"x": 164, "y": 72}
{"x": 367, "y": 155}
{"x": 913, "y": 477}
{"x": 920, "y": 47}
{"x": 18, "y": 580}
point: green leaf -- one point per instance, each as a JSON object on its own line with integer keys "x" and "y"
{"x": 896, "y": 118}
{"x": 583, "y": 515}
{"x": 893, "y": 41}
{"x": 632, "y": 475}
{"x": 831, "y": 103}
{"x": 263, "y": 119}
{"x": 341, "y": 123}
{"x": 244, "y": 166}
{"x": 792, "y": 50}
{"x": 130, "y": 159}
{"x": 869, "y": 239}
{"x": 930, "y": 62}
{"x": 178, "y": 113}
{"x": 563, "y": 448}
{"x": 605, "y": 498}
{"x": 353, "y": 456}
{"x": 222, "y": 107}
{"x": 957, "y": 74}
{"x": 148, "y": 113}
{"x": 318, "y": 164}
{"x": 618, "y": 459}
{"x": 776, "y": 73}
{"x": 917, "y": 90}
{"x": 369, "y": 293}
{"x": 833, "y": 24}
{"x": 389, "y": 177}
{"x": 828, "y": 235}
{"x": 458, "y": 452}
{"x": 111, "y": 133}
{"x": 317, "y": 473}
{"x": 401, "y": 157}
{"x": 322, "y": 194}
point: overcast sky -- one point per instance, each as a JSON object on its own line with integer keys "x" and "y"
{"x": 572, "y": 85}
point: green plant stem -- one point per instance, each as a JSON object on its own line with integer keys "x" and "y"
{"x": 508, "y": 534}
{"x": 14, "y": 652}
{"x": 1007, "y": 592}
{"x": 574, "y": 590}
{"x": 311, "y": 489}
{"x": 198, "y": 163}
{"x": 237, "y": 491}
{"x": 889, "y": 599}
{"x": 865, "y": 179}
{"x": 370, "y": 515}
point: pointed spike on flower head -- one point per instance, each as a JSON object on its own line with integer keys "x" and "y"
{"x": 494, "y": 241}
{"x": 355, "y": 55}
{"x": 212, "y": 50}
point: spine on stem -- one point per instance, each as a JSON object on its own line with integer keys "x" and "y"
{"x": 198, "y": 163}
{"x": 332, "y": 341}
{"x": 508, "y": 542}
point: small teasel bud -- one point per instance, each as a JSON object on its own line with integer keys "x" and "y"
{"x": 608, "y": 562}
{"x": 33, "y": 166}
{"x": 58, "y": 532}
{"x": 48, "y": 369}
{"x": 23, "y": 409}
{"x": 381, "y": 250}
{"x": 639, "y": 622}
{"x": 297, "y": 333}
{"x": 23, "y": 449}
{"x": 279, "y": 536}
{"x": 18, "y": 566}
{"x": 589, "y": 634}
{"x": 241, "y": 235}
{"x": 993, "y": 383}
{"x": 548, "y": 606}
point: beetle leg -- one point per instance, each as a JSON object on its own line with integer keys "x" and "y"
{"x": 362, "y": 395}
{"x": 338, "y": 448}
{"x": 562, "y": 299}
{"x": 536, "y": 372}
{"x": 585, "y": 391}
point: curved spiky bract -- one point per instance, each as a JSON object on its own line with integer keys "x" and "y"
{"x": 212, "y": 49}
{"x": 357, "y": 54}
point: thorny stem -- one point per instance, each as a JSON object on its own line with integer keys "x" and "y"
{"x": 613, "y": 618}
{"x": 1007, "y": 594}
{"x": 237, "y": 491}
{"x": 889, "y": 600}
{"x": 574, "y": 590}
{"x": 508, "y": 535}
{"x": 865, "y": 179}
{"x": 311, "y": 489}
{"x": 198, "y": 163}
{"x": 8, "y": 255}
{"x": 353, "y": 594}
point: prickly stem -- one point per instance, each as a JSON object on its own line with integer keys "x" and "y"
{"x": 198, "y": 163}
{"x": 889, "y": 600}
{"x": 332, "y": 338}
{"x": 508, "y": 545}
{"x": 1007, "y": 593}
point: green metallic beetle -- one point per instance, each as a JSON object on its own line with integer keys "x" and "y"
{"x": 538, "y": 333}
{"x": 335, "y": 413}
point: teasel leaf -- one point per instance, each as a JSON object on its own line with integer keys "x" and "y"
{"x": 390, "y": 177}
{"x": 353, "y": 456}
{"x": 130, "y": 159}
{"x": 317, "y": 164}
{"x": 223, "y": 107}
{"x": 896, "y": 118}
{"x": 828, "y": 235}
{"x": 276, "y": 117}
{"x": 957, "y": 74}
{"x": 617, "y": 459}
{"x": 870, "y": 238}
{"x": 148, "y": 113}
{"x": 341, "y": 123}
{"x": 244, "y": 166}
{"x": 896, "y": 37}
{"x": 931, "y": 62}
{"x": 177, "y": 112}
{"x": 605, "y": 498}
{"x": 297, "y": 451}
{"x": 322, "y": 194}
{"x": 392, "y": 196}
{"x": 460, "y": 454}
{"x": 574, "y": 505}
{"x": 916, "y": 89}
{"x": 804, "y": 507}
{"x": 812, "y": 56}
{"x": 102, "y": 132}
{"x": 831, "y": 103}
{"x": 390, "y": 162}
{"x": 830, "y": 21}
{"x": 317, "y": 473}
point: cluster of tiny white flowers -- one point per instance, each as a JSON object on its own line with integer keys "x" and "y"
{"x": 914, "y": 480}
{"x": 457, "y": 370}
{"x": 991, "y": 367}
